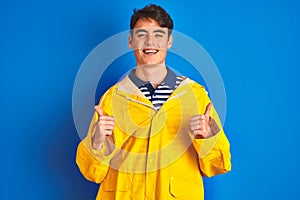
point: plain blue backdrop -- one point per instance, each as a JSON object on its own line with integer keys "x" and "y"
{"x": 255, "y": 45}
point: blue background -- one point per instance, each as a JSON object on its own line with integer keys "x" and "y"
{"x": 255, "y": 45}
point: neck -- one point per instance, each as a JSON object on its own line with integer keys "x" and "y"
{"x": 155, "y": 74}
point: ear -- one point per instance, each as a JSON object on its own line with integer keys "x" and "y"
{"x": 170, "y": 41}
{"x": 130, "y": 42}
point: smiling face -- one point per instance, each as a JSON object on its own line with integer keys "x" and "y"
{"x": 150, "y": 42}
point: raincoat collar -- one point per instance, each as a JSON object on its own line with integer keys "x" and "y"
{"x": 170, "y": 79}
{"x": 126, "y": 87}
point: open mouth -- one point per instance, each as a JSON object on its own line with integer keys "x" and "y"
{"x": 150, "y": 51}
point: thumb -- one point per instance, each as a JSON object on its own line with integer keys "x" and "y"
{"x": 98, "y": 110}
{"x": 207, "y": 110}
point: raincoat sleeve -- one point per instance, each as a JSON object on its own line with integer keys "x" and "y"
{"x": 93, "y": 164}
{"x": 214, "y": 152}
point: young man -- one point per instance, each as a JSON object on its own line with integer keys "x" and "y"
{"x": 154, "y": 134}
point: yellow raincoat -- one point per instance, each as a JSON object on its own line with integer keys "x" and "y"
{"x": 151, "y": 154}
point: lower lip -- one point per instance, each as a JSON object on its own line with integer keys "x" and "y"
{"x": 150, "y": 54}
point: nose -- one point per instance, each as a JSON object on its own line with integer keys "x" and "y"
{"x": 149, "y": 40}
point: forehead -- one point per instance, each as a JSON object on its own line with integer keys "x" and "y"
{"x": 148, "y": 24}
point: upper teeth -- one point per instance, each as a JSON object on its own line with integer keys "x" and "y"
{"x": 150, "y": 51}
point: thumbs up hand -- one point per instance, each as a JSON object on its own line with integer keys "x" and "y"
{"x": 104, "y": 127}
{"x": 200, "y": 124}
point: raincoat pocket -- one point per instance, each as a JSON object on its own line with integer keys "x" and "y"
{"x": 181, "y": 189}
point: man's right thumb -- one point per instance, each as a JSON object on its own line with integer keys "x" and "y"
{"x": 98, "y": 110}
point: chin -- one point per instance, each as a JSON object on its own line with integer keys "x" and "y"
{"x": 152, "y": 63}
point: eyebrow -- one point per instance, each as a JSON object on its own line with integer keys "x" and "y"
{"x": 140, "y": 30}
{"x": 159, "y": 31}
{"x": 145, "y": 31}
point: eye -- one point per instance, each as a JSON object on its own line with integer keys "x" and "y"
{"x": 141, "y": 35}
{"x": 159, "y": 35}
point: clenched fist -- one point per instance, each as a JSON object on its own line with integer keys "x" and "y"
{"x": 104, "y": 127}
{"x": 200, "y": 125}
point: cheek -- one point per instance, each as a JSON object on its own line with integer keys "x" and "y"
{"x": 163, "y": 53}
{"x": 163, "y": 45}
{"x": 138, "y": 54}
{"x": 138, "y": 43}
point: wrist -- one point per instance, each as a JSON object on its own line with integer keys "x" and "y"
{"x": 96, "y": 144}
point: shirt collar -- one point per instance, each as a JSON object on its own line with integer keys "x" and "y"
{"x": 170, "y": 79}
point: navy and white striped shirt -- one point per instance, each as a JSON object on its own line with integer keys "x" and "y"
{"x": 159, "y": 95}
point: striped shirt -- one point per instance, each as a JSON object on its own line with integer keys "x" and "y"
{"x": 159, "y": 95}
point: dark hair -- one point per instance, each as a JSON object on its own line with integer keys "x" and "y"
{"x": 154, "y": 12}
